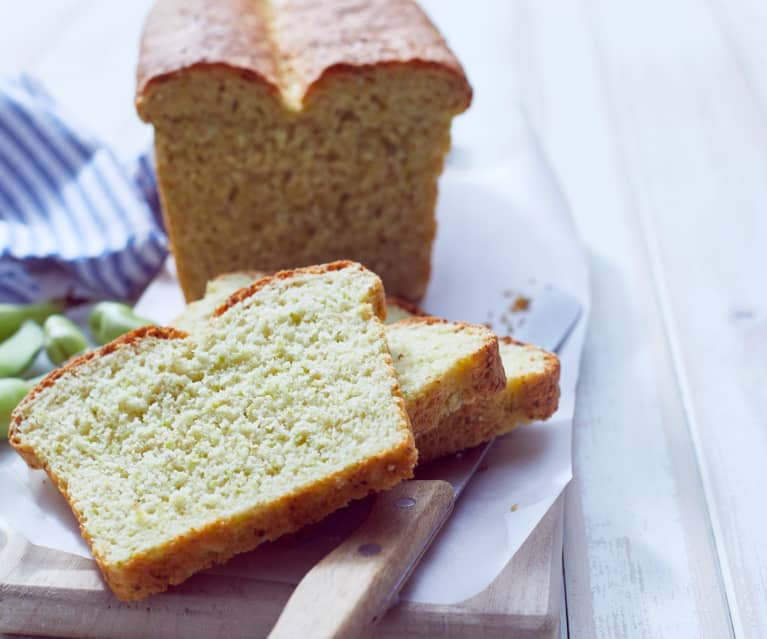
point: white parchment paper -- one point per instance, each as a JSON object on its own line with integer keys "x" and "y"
{"x": 504, "y": 230}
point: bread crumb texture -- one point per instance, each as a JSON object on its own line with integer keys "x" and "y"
{"x": 176, "y": 453}
{"x": 441, "y": 365}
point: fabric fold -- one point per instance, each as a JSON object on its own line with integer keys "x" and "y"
{"x": 75, "y": 222}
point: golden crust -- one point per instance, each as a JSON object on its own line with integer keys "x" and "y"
{"x": 155, "y": 570}
{"x": 289, "y": 43}
{"x": 180, "y": 35}
{"x": 377, "y": 295}
{"x": 526, "y": 399}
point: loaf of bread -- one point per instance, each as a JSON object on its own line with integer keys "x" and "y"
{"x": 177, "y": 451}
{"x": 293, "y": 132}
{"x": 441, "y": 365}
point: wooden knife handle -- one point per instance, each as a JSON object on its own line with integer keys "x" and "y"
{"x": 346, "y": 592}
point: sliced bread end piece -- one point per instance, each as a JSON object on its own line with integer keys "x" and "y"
{"x": 398, "y": 308}
{"x": 443, "y": 366}
{"x": 531, "y": 394}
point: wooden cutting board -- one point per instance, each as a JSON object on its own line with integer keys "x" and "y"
{"x": 51, "y": 593}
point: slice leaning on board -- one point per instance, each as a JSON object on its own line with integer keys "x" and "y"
{"x": 178, "y": 450}
{"x": 429, "y": 354}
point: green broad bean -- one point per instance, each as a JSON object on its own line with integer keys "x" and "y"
{"x": 109, "y": 320}
{"x": 63, "y": 339}
{"x": 18, "y": 351}
{"x": 12, "y": 391}
{"x": 12, "y": 316}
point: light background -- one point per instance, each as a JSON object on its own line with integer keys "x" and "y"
{"x": 654, "y": 115}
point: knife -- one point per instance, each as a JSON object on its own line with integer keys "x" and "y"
{"x": 355, "y": 584}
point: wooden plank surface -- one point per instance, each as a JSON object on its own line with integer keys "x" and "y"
{"x": 654, "y": 115}
{"x": 701, "y": 163}
{"x": 51, "y": 593}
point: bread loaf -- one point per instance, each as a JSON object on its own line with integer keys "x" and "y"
{"x": 293, "y": 132}
{"x": 177, "y": 451}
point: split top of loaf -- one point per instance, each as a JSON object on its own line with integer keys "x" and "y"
{"x": 176, "y": 451}
{"x": 290, "y": 46}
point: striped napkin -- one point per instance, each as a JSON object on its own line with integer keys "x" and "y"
{"x": 74, "y": 221}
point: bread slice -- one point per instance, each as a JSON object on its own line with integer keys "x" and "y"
{"x": 398, "y": 309}
{"x": 177, "y": 451}
{"x": 217, "y": 291}
{"x": 441, "y": 365}
{"x": 299, "y": 132}
{"x": 531, "y": 394}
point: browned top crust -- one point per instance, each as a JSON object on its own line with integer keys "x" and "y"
{"x": 288, "y": 43}
{"x": 244, "y": 293}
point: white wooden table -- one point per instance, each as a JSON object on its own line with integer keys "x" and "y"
{"x": 654, "y": 115}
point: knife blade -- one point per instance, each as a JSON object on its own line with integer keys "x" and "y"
{"x": 350, "y": 588}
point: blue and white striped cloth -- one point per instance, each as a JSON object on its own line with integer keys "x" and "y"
{"x": 74, "y": 222}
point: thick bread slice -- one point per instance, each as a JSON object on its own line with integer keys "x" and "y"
{"x": 177, "y": 451}
{"x": 398, "y": 309}
{"x": 531, "y": 394}
{"x": 217, "y": 291}
{"x": 441, "y": 365}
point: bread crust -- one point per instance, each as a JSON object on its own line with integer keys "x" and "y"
{"x": 157, "y": 569}
{"x": 378, "y": 298}
{"x": 534, "y": 397}
{"x": 290, "y": 46}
